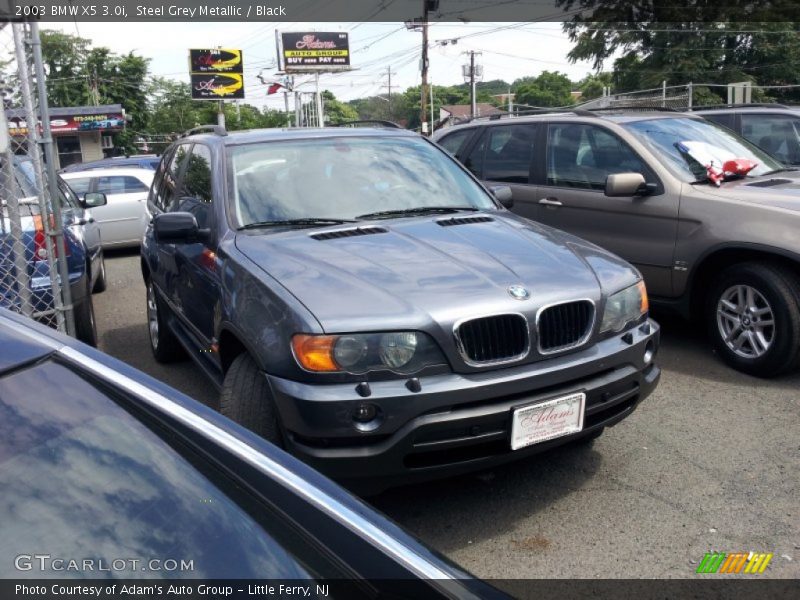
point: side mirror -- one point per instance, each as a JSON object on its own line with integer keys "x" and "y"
{"x": 94, "y": 199}
{"x": 175, "y": 227}
{"x": 627, "y": 184}
{"x": 503, "y": 195}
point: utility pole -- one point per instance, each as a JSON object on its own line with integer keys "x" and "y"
{"x": 424, "y": 90}
{"x": 417, "y": 25}
{"x": 388, "y": 86}
{"x": 472, "y": 73}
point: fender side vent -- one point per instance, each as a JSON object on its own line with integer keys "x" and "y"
{"x": 344, "y": 233}
{"x": 463, "y": 221}
{"x": 769, "y": 183}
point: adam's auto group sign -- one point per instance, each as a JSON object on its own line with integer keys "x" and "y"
{"x": 317, "y": 51}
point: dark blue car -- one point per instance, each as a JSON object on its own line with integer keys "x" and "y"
{"x": 105, "y": 472}
{"x": 82, "y": 247}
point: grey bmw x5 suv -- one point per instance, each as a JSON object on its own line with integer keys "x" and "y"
{"x": 709, "y": 219}
{"x": 360, "y": 299}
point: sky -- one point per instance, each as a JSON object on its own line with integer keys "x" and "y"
{"x": 508, "y": 51}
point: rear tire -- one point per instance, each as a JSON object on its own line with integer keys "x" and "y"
{"x": 247, "y": 400}
{"x": 165, "y": 346}
{"x": 85, "y": 326}
{"x": 753, "y": 318}
{"x": 100, "y": 282}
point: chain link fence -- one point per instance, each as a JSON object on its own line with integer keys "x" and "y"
{"x": 29, "y": 232}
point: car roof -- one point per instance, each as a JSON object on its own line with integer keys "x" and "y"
{"x": 235, "y": 138}
{"x": 105, "y": 172}
{"x": 762, "y": 108}
{"x": 622, "y": 115}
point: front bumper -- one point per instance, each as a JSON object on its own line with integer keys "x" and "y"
{"x": 459, "y": 423}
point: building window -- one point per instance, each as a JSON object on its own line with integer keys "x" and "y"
{"x": 69, "y": 150}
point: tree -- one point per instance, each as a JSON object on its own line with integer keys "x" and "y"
{"x": 78, "y": 75}
{"x": 336, "y": 111}
{"x": 592, "y": 85}
{"x": 687, "y": 41}
{"x": 547, "y": 89}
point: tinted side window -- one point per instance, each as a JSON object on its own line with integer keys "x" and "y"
{"x": 583, "y": 156}
{"x": 454, "y": 141}
{"x": 777, "y": 134}
{"x": 197, "y": 185}
{"x": 120, "y": 184}
{"x": 726, "y": 120}
{"x": 168, "y": 192}
{"x": 474, "y": 162}
{"x": 508, "y": 155}
{"x": 80, "y": 186}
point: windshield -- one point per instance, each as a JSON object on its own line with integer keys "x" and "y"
{"x": 686, "y": 144}
{"x": 345, "y": 177}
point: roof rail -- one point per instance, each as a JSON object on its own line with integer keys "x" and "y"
{"x": 636, "y": 107}
{"x": 215, "y": 129}
{"x": 376, "y": 122}
{"x": 526, "y": 113}
{"x": 741, "y": 105}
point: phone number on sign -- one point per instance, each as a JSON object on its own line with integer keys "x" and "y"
{"x": 70, "y": 10}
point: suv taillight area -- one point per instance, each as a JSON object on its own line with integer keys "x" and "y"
{"x": 40, "y": 244}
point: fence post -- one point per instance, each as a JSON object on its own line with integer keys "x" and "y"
{"x": 56, "y": 233}
{"x": 690, "y": 93}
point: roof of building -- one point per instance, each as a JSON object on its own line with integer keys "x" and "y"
{"x": 59, "y": 111}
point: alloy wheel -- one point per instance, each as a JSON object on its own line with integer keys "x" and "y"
{"x": 746, "y": 321}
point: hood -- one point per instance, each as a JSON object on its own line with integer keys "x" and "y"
{"x": 409, "y": 272}
{"x": 781, "y": 190}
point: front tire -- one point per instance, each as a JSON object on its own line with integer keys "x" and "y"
{"x": 753, "y": 318}
{"x": 247, "y": 400}
{"x": 163, "y": 343}
{"x": 85, "y": 326}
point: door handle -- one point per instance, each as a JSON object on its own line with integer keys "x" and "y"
{"x": 550, "y": 202}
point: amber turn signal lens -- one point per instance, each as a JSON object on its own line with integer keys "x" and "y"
{"x": 645, "y": 302}
{"x": 315, "y": 352}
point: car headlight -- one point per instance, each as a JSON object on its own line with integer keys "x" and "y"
{"x": 625, "y": 307}
{"x": 399, "y": 351}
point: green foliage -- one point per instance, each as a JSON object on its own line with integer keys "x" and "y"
{"x": 337, "y": 112}
{"x": 687, "y": 41}
{"x": 547, "y": 89}
{"x": 78, "y": 75}
{"x": 592, "y": 85}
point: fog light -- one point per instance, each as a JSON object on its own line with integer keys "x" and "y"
{"x": 649, "y": 352}
{"x": 365, "y": 412}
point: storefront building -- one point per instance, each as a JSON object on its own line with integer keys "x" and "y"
{"x": 80, "y": 133}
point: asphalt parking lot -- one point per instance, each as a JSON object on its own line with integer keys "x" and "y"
{"x": 709, "y": 462}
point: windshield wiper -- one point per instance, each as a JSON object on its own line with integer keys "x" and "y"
{"x": 420, "y": 210}
{"x": 306, "y": 222}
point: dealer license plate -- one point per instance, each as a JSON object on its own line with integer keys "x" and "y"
{"x": 547, "y": 420}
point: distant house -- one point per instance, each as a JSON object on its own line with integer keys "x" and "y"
{"x": 456, "y": 113}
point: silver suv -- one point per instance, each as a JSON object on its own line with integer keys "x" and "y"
{"x": 710, "y": 220}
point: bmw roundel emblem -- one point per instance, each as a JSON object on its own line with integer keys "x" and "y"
{"x": 519, "y": 292}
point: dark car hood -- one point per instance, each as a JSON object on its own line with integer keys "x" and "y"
{"x": 418, "y": 270}
{"x": 781, "y": 190}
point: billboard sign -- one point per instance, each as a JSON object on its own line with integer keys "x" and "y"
{"x": 72, "y": 123}
{"x": 216, "y": 74}
{"x": 215, "y": 60}
{"x": 217, "y": 86}
{"x": 315, "y": 51}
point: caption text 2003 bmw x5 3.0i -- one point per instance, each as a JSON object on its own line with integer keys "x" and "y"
{"x": 362, "y": 300}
